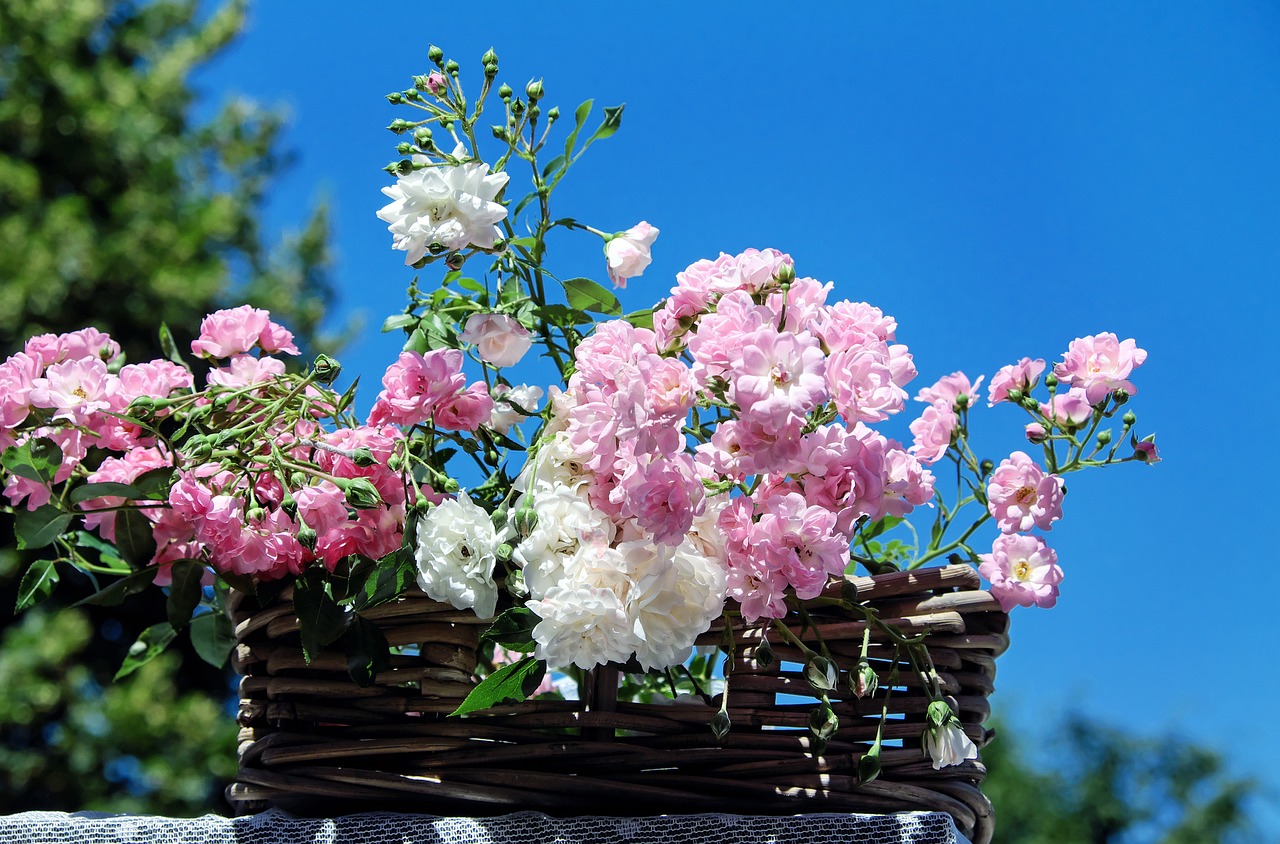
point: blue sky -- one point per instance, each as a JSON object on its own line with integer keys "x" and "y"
{"x": 1001, "y": 177}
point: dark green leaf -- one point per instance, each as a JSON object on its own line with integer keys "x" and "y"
{"x": 612, "y": 120}
{"x": 212, "y": 637}
{"x": 151, "y": 643}
{"x": 37, "y": 584}
{"x": 106, "y": 489}
{"x": 417, "y": 342}
{"x": 38, "y": 528}
{"x": 184, "y": 593}
{"x": 321, "y": 620}
{"x": 155, "y": 483}
{"x": 395, "y": 573}
{"x": 115, "y": 594}
{"x": 107, "y": 553}
{"x": 880, "y": 526}
{"x": 170, "y": 346}
{"x": 585, "y": 295}
{"x": 513, "y": 630}
{"x": 368, "y": 652}
{"x": 134, "y": 537}
{"x": 513, "y": 682}
{"x": 563, "y": 315}
{"x": 552, "y": 166}
{"x": 37, "y": 460}
{"x": 392, "y": 323}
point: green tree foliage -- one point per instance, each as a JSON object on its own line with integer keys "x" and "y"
{"x": 1108, "y": 786}
{"x": 120, "y": 210}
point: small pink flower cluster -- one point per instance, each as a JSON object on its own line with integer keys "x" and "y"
{"x": 780, "y": 363}
{"x": 420, "y": 388}
{"x": 62, "y": 388}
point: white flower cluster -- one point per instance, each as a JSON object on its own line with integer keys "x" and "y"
{"x": 605, "y": 591}
{"x": 456, "y": 555}
{"x": 446, "y": 204}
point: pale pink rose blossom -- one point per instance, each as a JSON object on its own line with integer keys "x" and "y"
{"x": 778, "y": 375}
{"x": 1016, "y": 376}
{"x": 949, "y": 388}
{"x": 87, "y": 343}
{"x": 933, "y": 432}
{"x": 17, "y": 377}
{"x": 415, "y": 384}
{"x": 1022, "y": 571}
{"x": 1021, "y": 496}
{"x": 1069, "y": 410}
{"x": 234, "y": 331}
{"x": 246, "y": 370}
{"x": 465, "y": 410}
{"x": 1036, "y": 433}
{"x": 1100, "y": 365}
{"x": 75, "y": 389}
{"x": 436, "y": 83}
{"x": 627, "y": 252}
{"x": 498, "y": 338}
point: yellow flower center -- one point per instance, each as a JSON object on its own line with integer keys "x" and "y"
{"x": 1025, "y": 495}
{"x": 1022, "y": 570}
{"x": 80, "y": 393}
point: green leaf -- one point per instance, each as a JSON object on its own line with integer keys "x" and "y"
{"x": 392, "y": 323}
{"x": 107, "y": 553}
{"x": 185, "y": 592}
{"x": 321, "y": 619}
{"x": 513, "y": 629}
{"x": 150, "y": 644}
{"x": 513, "y": 682}
{"x": 368, "y": 652}
{"x": 471, "y": 284}
{"x": 395, "y": 573}
{"x": 37, "y": 584}
{"x": 170, "y": 346}
{"x": 881, "y": 525}
{"x": 612, "y": 120}
{"x": 563, "y": 315}
{"x": 106, "y": 489}
{"x": 40, "y": 527}
{"x": 134, "y": 537}
{"x": 641, "y": 319}
{"x": 115, "y": 594}
{"x": 37, "y": 460}
{"x": 553, "y": 165}
{"x": 585, "y": 295}
{"x": 417, "y": 342}
{"x": 212, "y": 637}
{"x": 155, "y": 483}
{"x": 579, "y": 120}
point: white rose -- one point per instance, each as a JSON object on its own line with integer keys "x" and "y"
{"x": 456, "y": 555}
{"x": 676, "y": 596}
{"x": 449, "y": 204}
{"x": 565, "y": 522}
{"x": 504, "y": 415}
{"x": 948, "y": 745}
{"x": 498, "y": 338}
{"x": 628, "y": 252}
{"x": 583, "y": 626}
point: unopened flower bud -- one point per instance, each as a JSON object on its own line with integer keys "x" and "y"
{"x": 405, "y": 167}
{"x": 986, "y": 467}
{"x": 255, "y": 514}
{"x": 404, "y": 147}
{"x": 454, "y": 261}
{"x": 422, "y": 137}
{"x": 451, "y": 67}
{"x": 554, "y": 114}
{"x": 868, "y": 768}
{"x": 939, "y": 713}
{"x": 504, "y": 91}
{"x": 526, "y": 519}
{"x": 962, "y": 400}
{"x": 326, "y": 369}
{"x": 1130, "y": 419}
{"x": 307, "y": 537}
{"x": 1051, "y": 381}
{"x": 763, "y": 654}
{"x": 1036, "y": 433}
{"x": 515, "y": 583}
{"x": 1030, "y": 403}
{"x": 534, "y": 90}
{"x": 395, "y": 463}
{"x": 448, "y": 486}
{"x": 504, "y": 551}
{"x": 400, "y": 126}
{"x": 720, "y": 725}
{"x": 822, "y": 674}
{"x": 289, "y": 505}
{"x": 863, "y": 680}
{"x": 361, "y": 494}
{"x": 823, "y": 722}
{"x": 785, "y": 274}
{"x": 1121, "y": 396}
{"x": 395, "y": 98}
{"x": 435, "y": 54}
{"x": 1014, "y": 395}
{"x": 363, "y": 457}
{"x": 1104, "y": 437}
{"x": 491, "y": 70}
{"x": 489, "y": 57}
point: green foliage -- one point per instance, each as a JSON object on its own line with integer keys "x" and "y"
{"x": 116, "y": 210}
{"x": 1106, "y": 785}
{"x": 71, "y": 739}
{"x": 512, "y": 682}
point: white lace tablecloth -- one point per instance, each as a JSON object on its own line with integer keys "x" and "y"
{"x": 276, "y": 827}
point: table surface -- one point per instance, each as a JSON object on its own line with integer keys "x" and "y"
{"x": 276, "y": 827}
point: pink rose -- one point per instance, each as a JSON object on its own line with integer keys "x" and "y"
{"x": 1016, "y": 376}
{"x": 465, "y": 410}
{"x": 498, "y": 338}
{"x": 627, "y": 252}
{"x": 949, "y": 388}
{"x": 933, "y": 432}
{"x": 1022, "y": 570}
{"x": 1100, "y": 364}
{"x": 1069, "y": 410}
{"x": 1021, "y": 496}
{"x": 233, "y": 331}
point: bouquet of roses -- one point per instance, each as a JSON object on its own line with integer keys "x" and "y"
{"x": 713, "y": 457}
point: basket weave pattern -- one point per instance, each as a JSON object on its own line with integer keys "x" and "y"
{"x": 312, "y": 741}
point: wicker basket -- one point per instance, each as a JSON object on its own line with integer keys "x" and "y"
{"x": 312, "y": 741}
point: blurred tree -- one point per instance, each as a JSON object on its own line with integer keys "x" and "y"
{"x": 119, "y": 210}
{"x": 1109, "y": 786}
